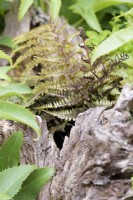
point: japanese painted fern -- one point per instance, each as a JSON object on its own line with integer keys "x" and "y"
{"x": 64, "y": 83}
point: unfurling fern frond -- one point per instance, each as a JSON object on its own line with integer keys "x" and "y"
{"x": 60, "y": 76}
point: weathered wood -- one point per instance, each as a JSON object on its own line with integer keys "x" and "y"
{"x": 96, "y": 161}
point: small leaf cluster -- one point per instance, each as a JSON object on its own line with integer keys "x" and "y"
{"x": 19, "y": 181}
{"x": 116, "y": 41}
{"x": 93, "y": 13}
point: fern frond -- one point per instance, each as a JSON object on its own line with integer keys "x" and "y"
{"x": 33, "y": 33}
{"x": 70, "y": 101}
{"x": 67, "y": 114}
{"x": 60, "y": 77}
{"x": 104, "y": 102}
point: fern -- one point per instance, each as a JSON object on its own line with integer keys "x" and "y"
{"x": 60, "y": 77}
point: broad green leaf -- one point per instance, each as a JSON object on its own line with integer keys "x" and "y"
{"x": 55, "y": 6}
{"x": 3, "y": 71}
{"x": 85, "y": 9}
{"x": 96, "y": 38}
{"x": 10, "y": 150}
{"x": 34, "y": 183}
{"x": 5, "y": 56}
{"x": 11, "y": 179}
{"x": 101, "y": 4}
{"x": 14, "y": 89}
{"x": 6, "y": 41}
{"x": 11, "y": 111}
{"x": 24, "y": 6}
{"x": 4, "y": 196}
{"x": 113, "y": 42}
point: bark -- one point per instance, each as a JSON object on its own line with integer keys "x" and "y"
{"x": 96, "y": 161}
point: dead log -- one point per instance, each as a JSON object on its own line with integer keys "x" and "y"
{"x": 96, "y": 161}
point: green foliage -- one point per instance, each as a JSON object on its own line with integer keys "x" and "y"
{"x": 4, "y": 196}
{"x": 11, "y": 179}
{"x": 11, "y": 111}
{"x": 24, "y": 6}
{"x": 6, "y": 41}
{"x": 5, "y": 56}
{"x": 113, "y": 42}
{"x": 3, "y": 73}
{"x": 19, "y": 182}
{"x": 34, "y": 183}
{"x": 15, "y": 89}
{"x": 9, "y": 152}
{"x": 55, "y": 6}
{"x": 101, "y": 4}
{"x": 85, "y": 9}
{"x": 88, "y": 9}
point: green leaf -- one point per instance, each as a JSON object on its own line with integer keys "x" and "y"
{"x": 4, "y": 196}
{"x": 113, "y": 42}
{"x": 101, "y": 4}
{"x": 24, "y": 6}
{"x": 85, "y": 9}
{"x": 55, "y": 6}
{"x": 11, "y": 179}
{"x": 10, "y": 150}
{"x": 14, "y": 89}
{"x": 3, "y": 71}
{"x": 7, "y": 41}
{"x": 5, "y": 56}
{"x": 11, "y": 111}
{"x": 96, "y": 38}
{"x": 34, "y": 183}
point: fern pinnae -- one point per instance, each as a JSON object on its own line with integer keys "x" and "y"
{"x": 68, "y": 114}
{"x": 104, "y": 102}
{"x": 70, "y": 101}
{"x": 50, "y": 59}
{"x": 32, "y": 34}
{"x": 71, "y": 37}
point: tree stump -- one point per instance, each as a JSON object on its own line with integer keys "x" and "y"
{"x": 95, "y": 162}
